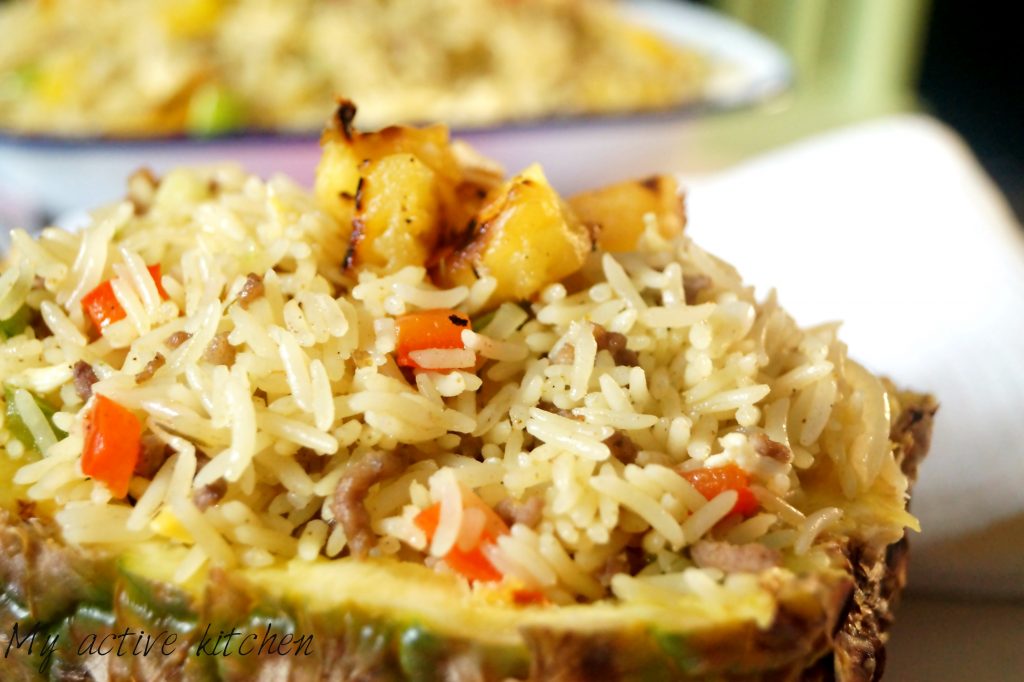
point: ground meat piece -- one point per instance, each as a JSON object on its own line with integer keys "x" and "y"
{"x": 251, "y": 290}
{"x": 26, "y": 509}
{"x": 623, "y": 449}
{"x": 766, "y": 447}
{"x": 310, "y": 461}
{"x": 39, "y": 326}
{"x": 83, "y": 378}
{"x": 152, "y": 454}
{"x": 528, "y": 512}
{"x": 176, "y": 339}
{"x": 564, "y": 356}
{"x": 550, "y": 407}
{"x": 201, "y": 460}
{"x": 613, "y": 566}
{"x": 347, "y": 504}
{"x": 142, "y": 186}
{"x": 220, "y": 352}
{"x": 615, "y": 343}
{"x": 629, "y": 561}
{"x": 471, "y": 446}
{"x": 751, "y": 558}
{"x": 150, "y": 369}
{"x": 693, "y": 285}
{"x": 210, "y": 494}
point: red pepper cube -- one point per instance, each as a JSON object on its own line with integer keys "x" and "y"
{"x": 101, "y": 304}
{"x": 112, "y": 439}
{"x": 710, "y": 482}
{"x": 102, "y": 307}
{"x": 440, "y": 328}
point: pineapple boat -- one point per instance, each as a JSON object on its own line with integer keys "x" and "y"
{"x": 429, "y": 423}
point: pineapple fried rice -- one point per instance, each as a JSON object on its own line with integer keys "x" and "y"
{"x": 559, "y": 446}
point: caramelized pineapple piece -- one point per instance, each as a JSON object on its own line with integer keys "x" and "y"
{"x": 337, "y": 174}
{"x": 525, "y": 236}
{"x": 398, "y": 214}
{"x": 615, "y": 214}
{"x": 447, "y": 187}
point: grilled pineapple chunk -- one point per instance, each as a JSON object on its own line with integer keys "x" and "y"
{"x": 398, "y": 188}
{"x": 398, "y": 216}
{"x": 337, "y": 179}
{"x": 347, "y": 153}
{"x": 616, "y": 214}
{"x": 525, "y": 237}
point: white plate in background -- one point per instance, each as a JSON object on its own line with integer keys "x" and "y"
{"x": 59, "y": 175}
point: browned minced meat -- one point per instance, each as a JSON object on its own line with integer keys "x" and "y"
{"x": 347, "y": 504}
{"x": 766, "y": 447}
{"x": 150, "y": 369}
{"x": 310, "y": 461}
{"x": 220, "y": 352}
{"x": 693, "y": 285}
{"x": 251, "y": 290}
{"x": 176, "y": 339}
{"x": 153, "y": 452}
{"x": 142, "y": 185}
{"x": 471, "y": 446}
{"x": 38, "y": 324}
{"x": 550, "y": 407}
{"x": 623, "y": 449}
{"x": 210, "y": 494}
{"x": 615, "y": 343}
{"x": 26, "y": 509}
{"x": 83, "y": 378}
{"x": 528, "y": 512}
{"x": 629, "y": 561}
{"x": 750, "y": 558}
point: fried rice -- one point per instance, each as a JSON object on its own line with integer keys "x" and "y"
{"x": 578, "y": 416}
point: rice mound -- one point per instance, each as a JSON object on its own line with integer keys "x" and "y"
{"x": 313, "y": 387}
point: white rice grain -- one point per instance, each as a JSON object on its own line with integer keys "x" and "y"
{"x": 703, "y": 519}
{"x": 645, "y": 507}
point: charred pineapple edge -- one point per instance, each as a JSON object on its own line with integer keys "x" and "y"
{"x": 827, "y": 626}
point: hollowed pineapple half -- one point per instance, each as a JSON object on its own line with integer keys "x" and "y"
{"x": 408, "y": 197}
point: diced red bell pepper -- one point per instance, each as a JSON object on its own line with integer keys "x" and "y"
{"x": 525, "y": 597}
{"x": 473, "y": 564}
{"x": 709, "y": 482}
{"x": 102, "y": 307}
{"x": 440, "y": 328}
{"x": 112, "y": 437}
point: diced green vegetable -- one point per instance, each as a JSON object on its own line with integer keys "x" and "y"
{"x": 484, "y": 319}
{"x": 213, "y": 111}
{"x": 16, "y": 323}
{"x": 16, "y": 425}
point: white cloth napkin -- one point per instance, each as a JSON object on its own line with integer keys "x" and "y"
{"x": 893, "y": 227}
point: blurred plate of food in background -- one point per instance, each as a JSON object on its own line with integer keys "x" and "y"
{"x": 89, "y": 91}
